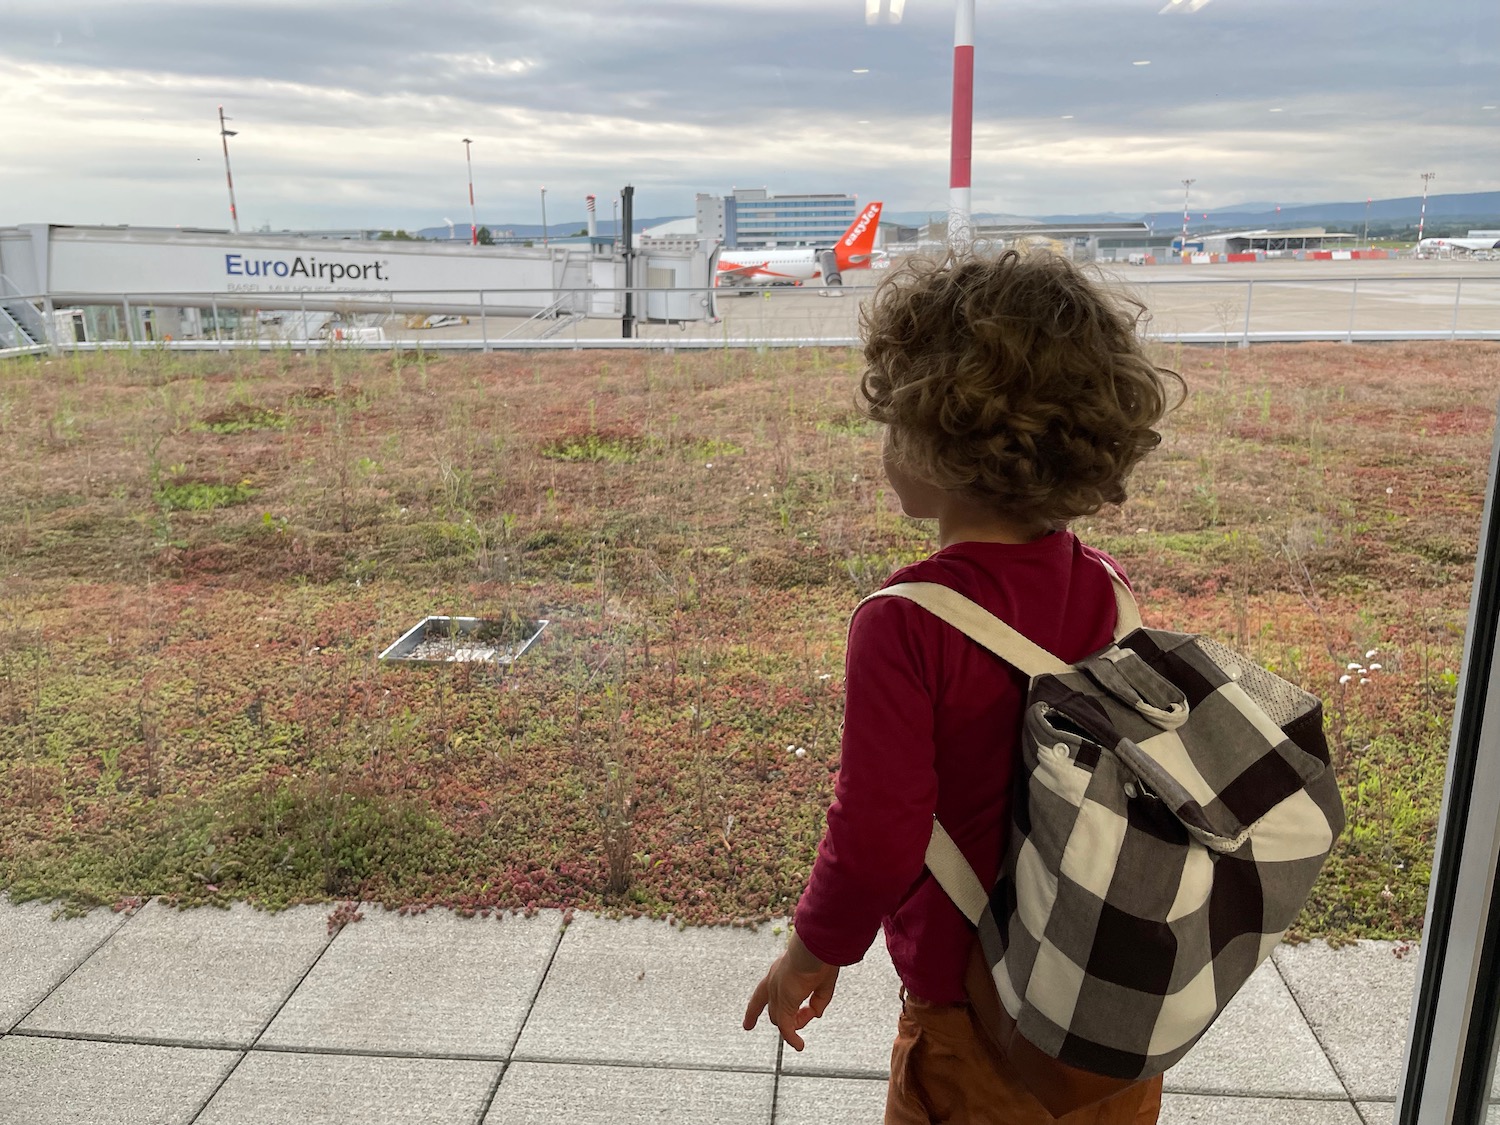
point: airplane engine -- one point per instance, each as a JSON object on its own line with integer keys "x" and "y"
{"x": 828, "y": 264}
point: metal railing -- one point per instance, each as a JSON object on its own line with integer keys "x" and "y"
{"x": 1188, "y": 310}
{"x": 22, "y": 325}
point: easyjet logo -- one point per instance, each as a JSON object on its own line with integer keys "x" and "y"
{"x": 859, "y": 228}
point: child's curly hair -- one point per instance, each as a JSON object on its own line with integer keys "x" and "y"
{"x": 1015, "y": 381}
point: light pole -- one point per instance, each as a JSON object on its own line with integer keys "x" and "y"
{"x": 224, "y": 135}
{"x": 960, "y": 163}
{"x": 473, "y": 214}
{"x": 1422, "y": 219}
{"x": 614, "y": 217}
{"x": 1366, "y": 239}
{"x": 544, "y": 216}
{"x": 1187, "y": 186}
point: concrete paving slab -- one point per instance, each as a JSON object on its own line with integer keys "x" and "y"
{"x": 433, "y": 984}
{"x": 634, "y": 991}
{"x": 829, "y": 1101}
{"x": 546, "y": 1093}
{"x": 72, "y": 1082}
{"x": 38, "y": 951}
{"x": 203, "y": 977}
{"x": 1260, "y": 1045}
{"x": 273, "y": 1088}
{"x": 1358, "y": 1000}
{"x": 854, "y": 1038}
{"x": 1192, "y": 1109}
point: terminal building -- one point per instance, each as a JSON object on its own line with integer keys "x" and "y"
{"x": 1082, "y": 242}
{"x": 1276, "y": 241}
{"x": 755, "y": 219}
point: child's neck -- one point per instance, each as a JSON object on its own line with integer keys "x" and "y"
{"x": 962, "y": 522}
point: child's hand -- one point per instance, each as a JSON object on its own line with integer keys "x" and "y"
{"x": 794, "y": 977}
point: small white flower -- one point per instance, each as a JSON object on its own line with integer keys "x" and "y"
{"x": 791, "y": 749}
{"x": 709, "y": 465}
{"x": 1371, "y": 653}
{"x": 1374, "y": 667}
{"x": 1344, "y": 679}
{"x": 1390, "y": 491}
{"x": 828, "y": 675}
{"x": 1363, "y": 680}
{"x": 801, "y": 753}
{"x": 1351, "y": 666}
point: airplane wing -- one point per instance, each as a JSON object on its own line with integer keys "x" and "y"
{"x": 741, "y": 271}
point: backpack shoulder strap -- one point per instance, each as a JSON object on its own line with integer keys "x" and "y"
{"x": 954, "y": 875}
{"x": 979, "y": 625}
{"x": 1127, "y": 613}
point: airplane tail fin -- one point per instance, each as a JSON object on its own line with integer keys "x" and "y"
{"x": 854, "y": 249}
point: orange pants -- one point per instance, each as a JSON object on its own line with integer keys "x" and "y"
{"x": 943, "y": 1070}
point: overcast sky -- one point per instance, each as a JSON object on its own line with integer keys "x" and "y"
{"x": 352, "y": 113}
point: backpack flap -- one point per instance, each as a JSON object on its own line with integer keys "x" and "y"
{"x": 1136, "y": 684}
{"x": 1211, "y": 755}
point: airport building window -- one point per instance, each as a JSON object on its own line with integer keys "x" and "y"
{"x": 757, "y": 219}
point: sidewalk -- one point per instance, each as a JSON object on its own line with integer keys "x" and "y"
{"x": 238, "y": 1017}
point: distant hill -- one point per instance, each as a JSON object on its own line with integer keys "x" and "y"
{"x": 560, "y": 229}
{"x": 1479, "y": 206}
{"x": 1458, "y": 210}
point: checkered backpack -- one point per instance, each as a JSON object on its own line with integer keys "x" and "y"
{"x": 1174, "y": 806}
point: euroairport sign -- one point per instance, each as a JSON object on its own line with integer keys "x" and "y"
{"x": 300, "y": 274}
{"x": 76, "y": 266}
{"x": 251, "y": 271}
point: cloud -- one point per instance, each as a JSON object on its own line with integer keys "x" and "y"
{"x": 352, "y": 117}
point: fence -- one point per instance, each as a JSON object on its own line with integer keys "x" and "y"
{"x": 1190, "y": 310}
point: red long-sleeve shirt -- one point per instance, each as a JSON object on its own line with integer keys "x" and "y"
{"x": 932, "y": 724}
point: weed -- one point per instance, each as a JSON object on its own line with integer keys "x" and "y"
{"x": 615, "y": 822}
{"x": 613, "y": 449}
{"x": 201, "y": 496}
{"x": 241, "y": 418}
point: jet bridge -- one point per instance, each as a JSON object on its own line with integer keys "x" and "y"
{"x": 45, "y": 268}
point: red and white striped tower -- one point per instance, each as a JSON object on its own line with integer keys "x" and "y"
{"x": 224, "y": 134}
{"x": 473, "y": 215}
{"x": 960, "y": 223}
{"x": 588, "y": 202}
{"x": 1427, "y": 177}
{"x": 1187, "y": 186}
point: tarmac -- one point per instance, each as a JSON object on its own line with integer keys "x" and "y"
{"x": 241, "y": 1017}
{"x": 1438, "y": 297}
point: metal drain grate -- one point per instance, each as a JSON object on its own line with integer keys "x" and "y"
{"x": 461, "y": 640}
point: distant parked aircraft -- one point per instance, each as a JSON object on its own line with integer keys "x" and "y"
{"x": 760, "y": 268}
{"x": 1467, "y": 245}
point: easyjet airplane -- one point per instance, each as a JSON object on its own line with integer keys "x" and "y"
{"x": 855, "y": 250}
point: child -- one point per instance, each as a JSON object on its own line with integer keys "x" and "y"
{"x": 1016, "y": 398}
